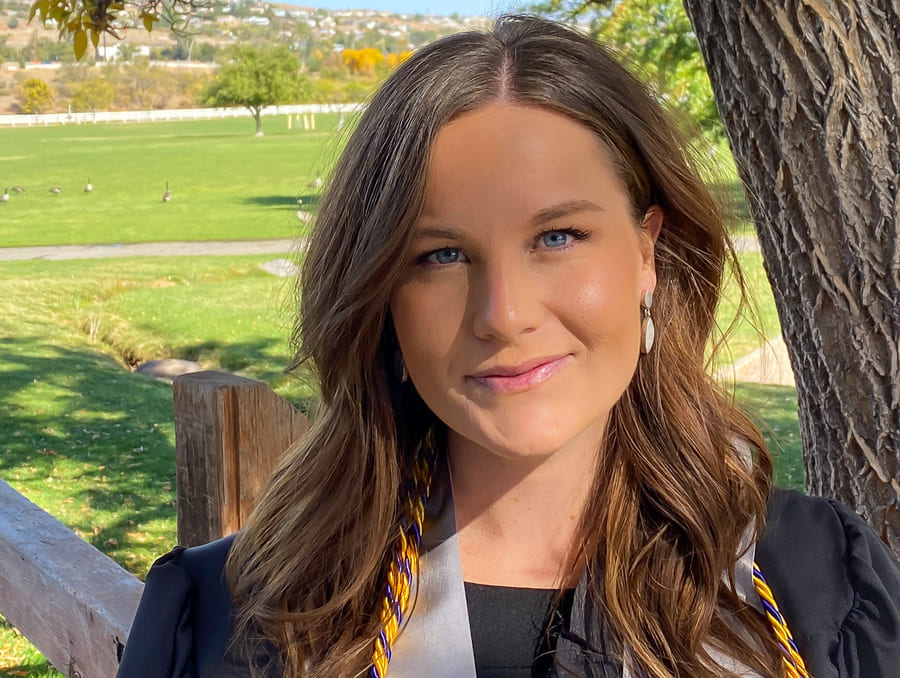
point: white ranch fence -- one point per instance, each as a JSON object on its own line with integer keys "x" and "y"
{"x": 162, "y": 115}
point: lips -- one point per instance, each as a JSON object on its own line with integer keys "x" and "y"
{"x": 520, "y": 377}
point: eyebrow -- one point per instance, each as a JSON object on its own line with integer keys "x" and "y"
{"x": 564, "y": 209}
{"x": 438, "y": 232}
{"x": 557, "y": 211}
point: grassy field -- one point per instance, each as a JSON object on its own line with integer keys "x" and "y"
{"x": 81, "y": 434}
{"x": 225, "y": 183}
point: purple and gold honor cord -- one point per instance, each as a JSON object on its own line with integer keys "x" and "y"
{"x": 404, "y": 564}
{"x": 790, "y": 655}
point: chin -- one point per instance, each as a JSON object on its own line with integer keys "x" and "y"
{"x": 536, "y": 438}
{"x": 525, "y": 449}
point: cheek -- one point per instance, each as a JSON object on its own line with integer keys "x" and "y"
{"x": 605, "y": 297}
{"x": 425, "y": 320}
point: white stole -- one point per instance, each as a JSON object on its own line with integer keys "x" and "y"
{"x": 436, "y": 641}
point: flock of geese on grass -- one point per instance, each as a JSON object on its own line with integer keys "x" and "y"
{"x": 56, "y": 190}
{"x": 166, "y": 196}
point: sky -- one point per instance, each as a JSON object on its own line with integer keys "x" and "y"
{"x": 445, "y": 7}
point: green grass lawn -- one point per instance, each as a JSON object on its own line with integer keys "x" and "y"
{"x": 774, "y": 409}
{"x": 225, "y": 183}
{"x": 20, "y": 658}
{"x": 81, "y": 434}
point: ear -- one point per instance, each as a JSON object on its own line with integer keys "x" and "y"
{"x": 652, "y": 222}
{"x": 651, "y": 225}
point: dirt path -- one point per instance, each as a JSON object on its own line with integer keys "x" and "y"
{"x": 769, "y": 364}
{"x": 148, "y": 249}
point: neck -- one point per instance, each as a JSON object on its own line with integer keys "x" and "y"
{"x": 518, "y": 518}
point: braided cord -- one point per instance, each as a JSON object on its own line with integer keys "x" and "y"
{"x": 404, "y": 564}
{"x": 790, "y": 655}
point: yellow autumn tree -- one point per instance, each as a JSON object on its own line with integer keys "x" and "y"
{"x": 35, "y": 96}
{"x": 362, "y": 61}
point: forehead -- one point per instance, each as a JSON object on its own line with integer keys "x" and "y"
{"x": 516, "y": 158}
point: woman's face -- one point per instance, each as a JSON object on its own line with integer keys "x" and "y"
{"x": 518, "y": 315}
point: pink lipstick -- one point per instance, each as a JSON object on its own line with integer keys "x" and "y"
{"x": 522, "y": 377}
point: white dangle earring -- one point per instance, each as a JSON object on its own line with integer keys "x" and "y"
{"x": 648, "y": 331}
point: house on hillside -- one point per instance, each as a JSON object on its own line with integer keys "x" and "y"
{"x": 112, "y": 52}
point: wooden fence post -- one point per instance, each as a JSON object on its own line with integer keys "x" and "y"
{"x": 229, "y": 433}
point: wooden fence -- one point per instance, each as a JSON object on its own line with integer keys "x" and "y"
{"x": 74, "y": 603}
{"x": 229, "y": 433}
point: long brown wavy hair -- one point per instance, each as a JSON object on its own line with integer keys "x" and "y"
{"x": 671, "y": 494}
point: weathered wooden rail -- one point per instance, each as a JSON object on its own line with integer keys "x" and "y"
{"x": 70, "y": 600}
{"x": 74, "y": 603}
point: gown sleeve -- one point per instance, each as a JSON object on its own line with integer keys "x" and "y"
{"x": 184, "y": 621}
{"x": 837, "y": 584}
{"x": 159, "y": 644}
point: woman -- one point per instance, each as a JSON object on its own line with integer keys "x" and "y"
{"x": 519, "y": 457}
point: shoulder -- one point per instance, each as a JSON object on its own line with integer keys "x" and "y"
{"x": 837, "y": 584}
{"x": 204, "y": 568}
{"x": 184, "y": 620}
{"x": 211, "y": 602}
{"x": 205, "y": 556}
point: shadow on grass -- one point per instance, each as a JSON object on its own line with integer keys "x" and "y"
{"x": 93, "y": 443}
{"x": 230, "y": 355}
{"x": 87, "y": 440}
{"x": 19, "y": 658}
{"x": 288, "y": 202}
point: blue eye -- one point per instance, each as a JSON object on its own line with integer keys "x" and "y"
{"x": 448, "y": 255}
{"x": 556, "y": 238}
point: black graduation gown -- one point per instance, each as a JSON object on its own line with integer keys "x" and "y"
{"x": 836, "y": 583}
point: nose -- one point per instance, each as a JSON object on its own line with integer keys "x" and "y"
{"x": 505, "y": 300}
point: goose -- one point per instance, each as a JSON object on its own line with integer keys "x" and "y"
{"x": 89, "y": 187}
{"x": 55, "y": 190}
{"x": 5, "y": 196}
{"x": 167, "y": 196}
{"x": 18, "y": 189}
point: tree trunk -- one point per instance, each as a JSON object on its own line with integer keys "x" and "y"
{"x": 809, "y": 91}
{"x": 257, "y": 116}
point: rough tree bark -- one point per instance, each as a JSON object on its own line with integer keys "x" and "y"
{"x": 809, "y": 91}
